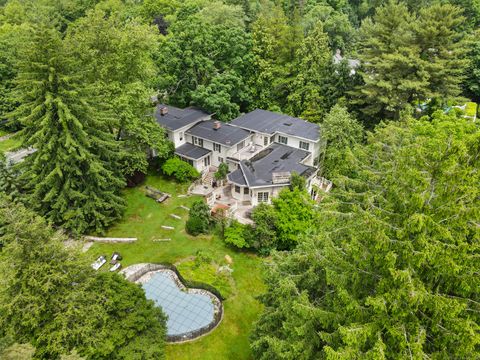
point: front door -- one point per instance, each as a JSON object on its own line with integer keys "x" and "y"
{"x": 206, "y": 161}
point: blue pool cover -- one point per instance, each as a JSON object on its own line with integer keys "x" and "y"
{"x": 186, "y": 312}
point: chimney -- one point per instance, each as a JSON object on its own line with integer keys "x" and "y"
{"x": 163, "y": 110}
{"x": 217, "y": 125}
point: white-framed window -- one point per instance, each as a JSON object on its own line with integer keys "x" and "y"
{"x": 262, "y": 197}
{"x": 237, "y": 189}
{"x": 197, "y": 141}
{"x": 282, "y": 139}
{"x": 220, "y": 159}
{"x": 240, "y": 146}
{"x": 265, "y": 140}
{"x": 304, "y": 145}
{"x": 217, "y": 147}
{"x": 246, "y": 191}
{"x": 272, "y": 139}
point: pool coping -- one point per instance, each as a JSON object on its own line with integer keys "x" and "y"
{"x": 137, "y": 273}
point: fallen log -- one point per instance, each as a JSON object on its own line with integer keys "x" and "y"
{"x": 110, "y": 239}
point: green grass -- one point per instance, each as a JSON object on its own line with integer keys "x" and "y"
{"x": 9, "y": 144}
{"x": 471, "y": 109}
{"x": 143, "y": 219}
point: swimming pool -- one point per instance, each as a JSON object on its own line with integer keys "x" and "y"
{"x": 186, "y": 311}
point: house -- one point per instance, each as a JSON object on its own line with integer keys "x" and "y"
{"x": 176, "y": 121}
{"x": 261, "y": 148}
{"x": 353, "y": 64}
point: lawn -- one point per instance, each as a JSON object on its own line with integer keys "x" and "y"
{"x": 9, "y": 144}
{"x": 143, "y": 219}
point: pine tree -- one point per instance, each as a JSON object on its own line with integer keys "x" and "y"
{"x": 73, "y": 176}
{"x": 392, "y": 70}
{"x": 442, "y": 48}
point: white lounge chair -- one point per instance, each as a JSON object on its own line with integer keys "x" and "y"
{"x": 99, "y": 263}
{"x": 115, "y": 267}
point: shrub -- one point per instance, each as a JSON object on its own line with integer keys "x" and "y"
{"x": 180, "y": 170}
{"x": 199, "y": 220}
{"x": 237, "y": 235}
{"x": 222, "y": 172}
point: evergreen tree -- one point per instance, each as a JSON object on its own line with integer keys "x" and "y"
{"x": 392, "y": 272}
{"x": 472, "y": 81}
{"x": 272, "y": 53}
{"x": 52, "y": 299}
{"x": 442, "y": 48}
{"x": 74, "y": 175}
{"x": 9, "y": 182}
{"x": 340, "y": 133}
{"x": 116, "y": 54}
{"x": 313, "y": 59}
{"x": 393, "y": 73}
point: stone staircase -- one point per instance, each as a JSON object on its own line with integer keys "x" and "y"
{"x": 208, "y": 178}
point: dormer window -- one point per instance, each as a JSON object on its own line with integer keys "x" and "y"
{"x": 304, "y": 145}
{"x": 282, "y": 139}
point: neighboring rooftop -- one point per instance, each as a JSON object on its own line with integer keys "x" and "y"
{"x": 270, "y": 166}
{"x": 192, "y": 152}
{"x": 269, "y": 122}
{"x": 219, "y": 132}
{"x": 174, "y": 118}
{"x": 352, "y": 63}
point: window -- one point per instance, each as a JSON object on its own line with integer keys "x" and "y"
{"x": 206, "y": 161}
{"x": 272, "y": 139}
{"x": 217, "y": 147}
{"x": 265, "y": 141}
{"x": 282, "y": 139}
{"x": 220, "y": 159}
{"x": 262, "y": 197}
{"x": 187, "y": 160}
{"x": 245, "y": 191}
{"x": 237, "y": 189}
{"x": 197, "y": 141}
{"x": 304, "y": 145}
{"x": 240, "y": 146}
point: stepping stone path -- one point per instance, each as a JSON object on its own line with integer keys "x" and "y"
{"x": 161, "y": 240}
{"x": 168, "y": 227}
{"x": 182, "y": 196}
{"x": 185, "y": 208}
{"x": 175, "y": 216}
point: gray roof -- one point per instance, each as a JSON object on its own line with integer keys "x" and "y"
{"x": 191, "y": 151}
{"x": 276, "y": 158}
{"x": 177, "y": 118}
{"x": 227, "y": 134}
{"x": 236, "y": 177}
{"x": 269, "y": 122}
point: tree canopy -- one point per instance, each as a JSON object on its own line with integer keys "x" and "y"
{"x": 52, "y": 299}
{"x": 391, "y": 271}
